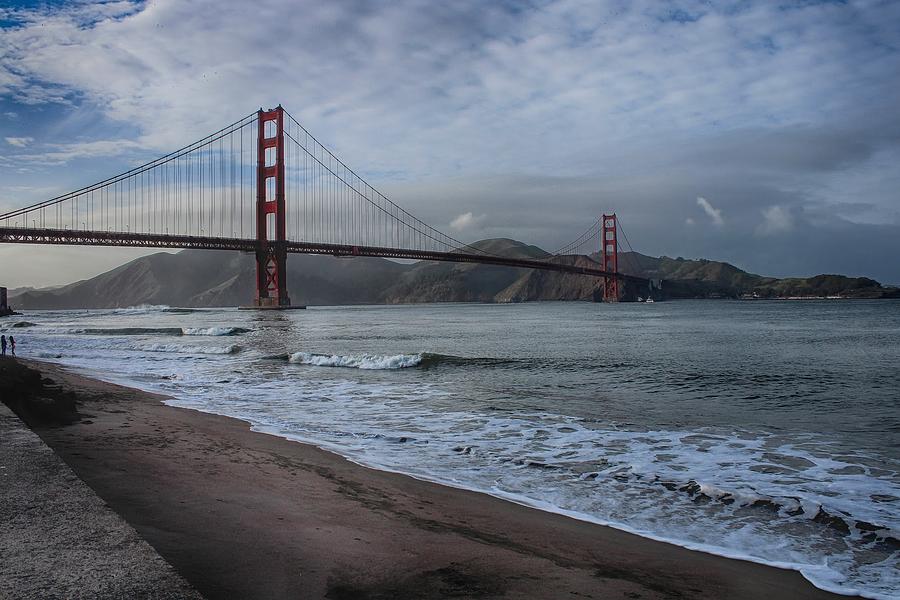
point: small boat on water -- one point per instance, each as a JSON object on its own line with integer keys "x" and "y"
{"x": 649, "y": 300}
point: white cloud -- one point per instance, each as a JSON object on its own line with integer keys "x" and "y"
{"x": 21, "y": 142}
{"x": 63, "y": 153}
{"x": 466, "y": 85}
{"x": 60, "y": 154}
{"x": 715, "y": 214}
{"x": 466, "y": 221}
{"x": 776, "y": 219}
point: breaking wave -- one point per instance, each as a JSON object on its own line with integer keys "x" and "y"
{"x": 357, "y": 361}
{"x": 178, "y": 348}
{"x": 174, "y": 331}
{"x": 423, "y": 360}
{"x": 113, "y": 330}
{"x": 213, "y": 330}
{"x": 146, "y": 308}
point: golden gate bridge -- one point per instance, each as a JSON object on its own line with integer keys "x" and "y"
{"x": 265, "y": 185}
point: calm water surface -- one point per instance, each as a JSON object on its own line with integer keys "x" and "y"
{"x": 762, "y": 430}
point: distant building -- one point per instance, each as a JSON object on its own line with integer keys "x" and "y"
{"x": 4, "y": 307}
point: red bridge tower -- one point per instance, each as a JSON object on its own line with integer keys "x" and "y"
{"x": 271, "y": 251}
{"x": 609, "y": 252}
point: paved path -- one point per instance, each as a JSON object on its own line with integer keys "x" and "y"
{"x": 57, "y": 537}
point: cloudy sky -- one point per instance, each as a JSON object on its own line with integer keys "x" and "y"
{"x": 766, "y": 134}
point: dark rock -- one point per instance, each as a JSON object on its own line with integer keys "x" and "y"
{"x": 832, "y": 521}
{"x": 36, "y": 400}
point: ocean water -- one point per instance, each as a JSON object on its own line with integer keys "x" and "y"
{"x": 768, "y": 431}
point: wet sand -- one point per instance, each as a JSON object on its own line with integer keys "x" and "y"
{"x": 248, "y": 515}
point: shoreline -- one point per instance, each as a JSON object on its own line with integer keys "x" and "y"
{"x": 539, "y": 506}
{"x": 196, "y": 484}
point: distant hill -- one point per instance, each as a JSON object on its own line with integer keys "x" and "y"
{"x": 462, "y": 282}
{"x": 711, "y": 279}
{"x": 202, "y": 278}
{"x": 218, "y": 278}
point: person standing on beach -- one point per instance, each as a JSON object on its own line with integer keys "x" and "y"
{"x": 2, "y": 345}
{"x": 12, "y": 345}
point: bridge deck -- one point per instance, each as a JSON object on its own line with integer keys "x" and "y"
{"x": 23, "y": 235}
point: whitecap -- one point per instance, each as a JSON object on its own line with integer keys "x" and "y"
{"x": 357, "y": 361}
{"x": 142, "y": 308}
{"x": 214, "y": 331}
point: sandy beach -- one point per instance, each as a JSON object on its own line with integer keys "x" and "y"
{"x": 241, "y": 514}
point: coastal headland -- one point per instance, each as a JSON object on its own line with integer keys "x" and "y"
{"x": 241, "y": 514}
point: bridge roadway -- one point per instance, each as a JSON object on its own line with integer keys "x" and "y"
{"x": 24, "y": 235}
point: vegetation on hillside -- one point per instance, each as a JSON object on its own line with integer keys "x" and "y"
{"x": 683, "y": 278}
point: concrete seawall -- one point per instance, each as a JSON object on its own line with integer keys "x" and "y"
{"x": 58, "y": 539}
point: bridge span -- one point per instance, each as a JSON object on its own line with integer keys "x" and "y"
{"x": 264, "y": 185}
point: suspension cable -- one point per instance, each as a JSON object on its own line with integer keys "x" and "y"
{"x": 459, "y": 244}
{"x": 136, "y": 170}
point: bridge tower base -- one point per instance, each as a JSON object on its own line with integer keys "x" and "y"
{"x": 609, "y": 252}
{"x": 271, "y": 252}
